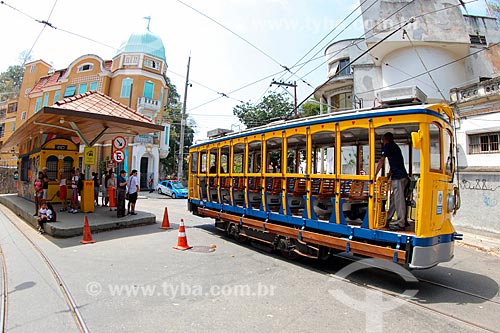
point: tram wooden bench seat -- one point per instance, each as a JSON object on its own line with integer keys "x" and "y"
{"x": 273, "y": 188}
{"x": 225, "y": 183}
{"x": 323, "y": 188}
{"x": 212, "y": 182}
{"x": 254, "y": 192}
{"x": 296, "y": 186}
{"x": 224, "y": 186}
{"x": 237, "y": 191}
{"x": 273, "y": 185}
{"x": 358, "y": 191}
{"x": 238, "y": 184}
{"x": 255, "y": 184}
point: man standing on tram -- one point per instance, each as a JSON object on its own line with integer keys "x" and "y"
{"x": 399, "y": 180}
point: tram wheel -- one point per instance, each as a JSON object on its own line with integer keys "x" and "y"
{"x": 284, "y": 248}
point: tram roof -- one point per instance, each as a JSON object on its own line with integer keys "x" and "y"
{"x": 330, "y": 117}
{"x": 92, "y": 116}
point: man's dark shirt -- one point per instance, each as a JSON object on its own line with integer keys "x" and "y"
{"x": 120, "y": 180}
{"x": 45, "y": 182}
{"x": 392, "y": 151}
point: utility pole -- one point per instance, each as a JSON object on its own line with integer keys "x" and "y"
{"x": 180, "y": 159}
{"x": 289, "y": 84}
{"x": 295, "y": 115}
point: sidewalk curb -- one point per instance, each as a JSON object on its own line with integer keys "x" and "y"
{"x": 483, "y": 243}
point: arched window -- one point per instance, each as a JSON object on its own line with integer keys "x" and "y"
{"x": 67, "y": 166}
{"x": 126, "y": 88}
{"x": 52, "y": 167}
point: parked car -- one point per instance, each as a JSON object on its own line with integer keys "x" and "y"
{"x": 173, "y": 189}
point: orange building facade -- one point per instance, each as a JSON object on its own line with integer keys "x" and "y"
{"x": 135, "y": 77}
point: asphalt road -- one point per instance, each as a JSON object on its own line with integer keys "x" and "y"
{"x": 132, "y": 280}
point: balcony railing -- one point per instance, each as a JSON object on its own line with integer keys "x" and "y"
{"x": 474, "y": 92}
{"x": 147, "y": 139}
{"x": 144, "y": 102}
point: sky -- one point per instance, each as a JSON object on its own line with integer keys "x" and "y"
{"x": 277, "y": 32}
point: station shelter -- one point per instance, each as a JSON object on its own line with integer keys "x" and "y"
{"x": 54, "y": 136}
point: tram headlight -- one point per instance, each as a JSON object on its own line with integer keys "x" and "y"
{"x": 450, "y": 203}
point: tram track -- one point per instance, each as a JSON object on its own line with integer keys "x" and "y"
{"x": 416, "y": 302}
{"x": 70, "y": 301}
{"x": 4, "y": 289}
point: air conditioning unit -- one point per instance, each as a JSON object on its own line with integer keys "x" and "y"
{"x": 218, "y": 132}
{"x": 402, "y": 95}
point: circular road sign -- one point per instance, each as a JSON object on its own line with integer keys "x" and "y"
{"x": 119, "y": 142}
{"x": 118, "y": 156}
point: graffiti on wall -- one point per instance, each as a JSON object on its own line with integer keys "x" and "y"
{"x": 477, "y": 185}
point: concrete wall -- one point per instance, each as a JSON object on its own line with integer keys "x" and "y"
{"x": 485, "y": 123}
{"x": 432, "y": 23}
{"x": 480, "y": 193}
{"x": 405, "y": 63}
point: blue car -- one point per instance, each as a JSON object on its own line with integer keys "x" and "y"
{"x": 173, "y": 189}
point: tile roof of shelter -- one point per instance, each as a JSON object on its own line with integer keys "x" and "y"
{"x": 98, "y": 103}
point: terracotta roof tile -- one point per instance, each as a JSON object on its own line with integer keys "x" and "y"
{"x": 47, "y": 81}
{"x": 98, "y": 103}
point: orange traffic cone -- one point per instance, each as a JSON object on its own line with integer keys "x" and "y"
{"x": 182, "y": 243}
{"x": 166, "y": 223}
{"x": 87, "y": 235}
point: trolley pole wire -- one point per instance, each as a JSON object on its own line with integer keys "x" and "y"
{"x": 289, "y": 84}
{"x": 411, "y": 20}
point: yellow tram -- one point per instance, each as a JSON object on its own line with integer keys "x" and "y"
{"x": 308, "y": 186}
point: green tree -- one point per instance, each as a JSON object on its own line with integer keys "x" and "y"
{"x": 310, "y": 108}
{"x": 272, "y": 107}
{"x": 10, "y": 81}
{"x": 173, "y": 114}
{"x": 494, "y": 6}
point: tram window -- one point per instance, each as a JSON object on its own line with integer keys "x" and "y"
{"x": 273, "y": 158}
{"x": 213, "y": 161}
{"x": 254, "y": 156}
{"x": 435, "y": 147}
{"x": 355, "y": 152}
{"x": 323, "y": 154}
{"x": 238, "y": 157}
{"x": 448, "y": 151}
{"x": 296, "y": 155}
{"x": 67, "y": 166}
{"x": 194, "y": 162}
{"x": 224, "y": 159}
{"x": 203, "y": 164}
{"x": 52, "y": 167}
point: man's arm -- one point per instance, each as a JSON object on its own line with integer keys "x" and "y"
{"x": 380, "y": 164}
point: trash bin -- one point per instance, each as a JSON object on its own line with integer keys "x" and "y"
{"x": 112, "y": 196}
{"x": 87, "y": 204}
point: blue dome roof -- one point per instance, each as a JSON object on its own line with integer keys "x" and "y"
{"x": 145, "y": 42}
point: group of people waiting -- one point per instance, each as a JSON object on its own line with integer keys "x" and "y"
{"x": 125, "y": 189}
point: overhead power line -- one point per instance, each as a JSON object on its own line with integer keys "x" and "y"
{"x": 234, "y": 33}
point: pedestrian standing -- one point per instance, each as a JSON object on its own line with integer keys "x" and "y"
{"x": 120, "y": 193}
{"x": 133, "y": 191}
{"x": 399, "y": 179}
{"x": 38, "y": 192}
{"x": 63, "y": 190}
{"x": 45, "y": 184}
{"x": 111, "y": 183}
{"x": 74, "y": 191}
{"x": 105, "y": 194}
{"x": 150, "y": 184}
{"x": 95, "y": 179}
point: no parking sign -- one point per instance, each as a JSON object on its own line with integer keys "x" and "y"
{"x": 118, "y": 156}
